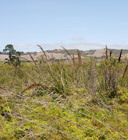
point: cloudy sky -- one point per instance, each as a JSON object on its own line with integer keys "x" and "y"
{"x": 81, "y": 24}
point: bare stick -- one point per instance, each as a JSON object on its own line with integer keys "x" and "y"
{"x": 120, "y": 55}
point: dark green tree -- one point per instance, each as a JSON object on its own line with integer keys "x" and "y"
{"x": 10, "y": 50}
{"x": 14, "y": 56}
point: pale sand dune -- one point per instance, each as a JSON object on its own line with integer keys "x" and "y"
{"x": 98, "y": 53}
{"x": 49, "y": 56}
{"x": 125, "y": 56}
{"x": 3, "y": 57}
{"x": 38, "y": 55}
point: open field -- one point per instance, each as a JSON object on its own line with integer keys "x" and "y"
{"x": 59, "y": 54}
{"x": 63, "y": 70}
{"x": 85, "y": 99}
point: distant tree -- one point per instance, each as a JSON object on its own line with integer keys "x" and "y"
{"x": 10, "y": 50}
{"x": 14, "y": 56}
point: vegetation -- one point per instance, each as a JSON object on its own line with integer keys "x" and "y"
{"x": 84, "y": 99}
{"x": 14, "y": 56}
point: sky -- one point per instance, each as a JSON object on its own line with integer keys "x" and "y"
{"x": 81, "y": 24}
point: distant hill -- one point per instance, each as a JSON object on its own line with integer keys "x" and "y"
{"x": 91, "y": 53}
{"x": 58, "y": 54}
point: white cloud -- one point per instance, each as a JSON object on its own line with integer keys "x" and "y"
{"x": 77, "y": 38}
{"x": 114, "y": 46}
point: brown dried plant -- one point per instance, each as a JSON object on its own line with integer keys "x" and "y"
{"x": 43, "y": 51}
{"x": 119, "y": 59}
{"x": 106, "y": 52}
{"x": 79, "y": 58}
{"x": 110, "y": 53}
{"x": 35, "y": 85}
{"x": 32, "y": 58}
{"x": 125, "y": 70}
{"x": 73, "y": 59}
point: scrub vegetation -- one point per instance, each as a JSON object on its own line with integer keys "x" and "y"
{"x": 78, "y": 99}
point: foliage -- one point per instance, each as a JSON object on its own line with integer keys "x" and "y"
{"x": 13, "y": 55}
{"x": 87, "y": 102}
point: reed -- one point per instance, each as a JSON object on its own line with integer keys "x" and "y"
{"x": 125, "y": 70}
{"x": 119, "y": 59}
{"x": 43, "y": 51}
{"x": 67, "y": 52}
{"x": 79, "y": 58}
{"x": 32, "y": 58}
{"x": 106, "y": 52}
{"x": 110, "y": 53}
{"x": 73, "y": 59}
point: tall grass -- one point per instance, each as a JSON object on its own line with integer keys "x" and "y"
{"x": 80, "y": 99}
